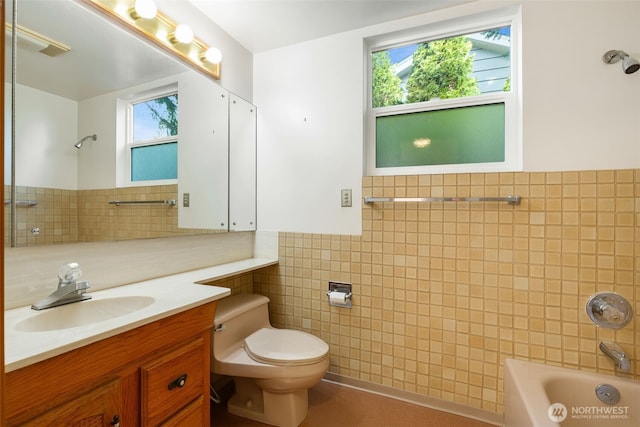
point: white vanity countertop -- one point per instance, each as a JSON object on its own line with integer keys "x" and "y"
{"x": 171, "y": 295}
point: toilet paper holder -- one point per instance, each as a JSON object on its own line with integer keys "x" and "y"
{"x": 339, "y": 294}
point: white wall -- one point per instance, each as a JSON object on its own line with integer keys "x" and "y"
{"x": 46, "y": 127}
{"x": 97, "y": 159}
{"x": 309, "y": 99}
{"x": 579, "y": 113}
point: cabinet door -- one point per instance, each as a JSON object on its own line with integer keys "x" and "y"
{"x": 242, "y": 165}
{"x": 100, "y": 407}
{"x": 203, "y": 153}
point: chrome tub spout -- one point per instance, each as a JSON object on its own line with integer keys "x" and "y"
{"x": 617, "y": 354}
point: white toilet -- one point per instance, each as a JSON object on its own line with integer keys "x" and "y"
{"x": 272, "y": 368}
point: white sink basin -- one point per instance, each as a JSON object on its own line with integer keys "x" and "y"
{"x": 83, "y": 313}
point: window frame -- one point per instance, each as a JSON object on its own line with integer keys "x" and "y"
{"x": 130, "y": 144}
{"x": 512, "y": 99}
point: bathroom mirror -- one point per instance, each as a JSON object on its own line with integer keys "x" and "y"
{"x": 63, "y": 97}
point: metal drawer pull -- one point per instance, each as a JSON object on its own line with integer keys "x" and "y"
{"x": 178, "y": 382}
{"x": 116, "y": 421}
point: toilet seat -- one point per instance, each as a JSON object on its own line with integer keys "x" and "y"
{"x": 285, "y": 347}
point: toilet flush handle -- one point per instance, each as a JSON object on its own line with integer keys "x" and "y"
{"x": 221, "y": 327}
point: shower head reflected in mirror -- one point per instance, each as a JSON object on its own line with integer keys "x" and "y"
{"x": 79, "y": 143}
{"x": 629, "y": 65}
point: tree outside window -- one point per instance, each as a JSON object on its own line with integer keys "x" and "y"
{"x": 442, "y": 69}
{"x": 154, "y": 139}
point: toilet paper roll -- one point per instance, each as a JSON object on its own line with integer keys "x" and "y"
{"x": 338, "y": 297}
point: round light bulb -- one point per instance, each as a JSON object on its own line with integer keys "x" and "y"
{"x": 146, "y": 9}
{"x": 213, "y": 55}
{"x": 184, "y": 34}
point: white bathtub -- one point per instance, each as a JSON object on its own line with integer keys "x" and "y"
{"x": 537, "y": 395}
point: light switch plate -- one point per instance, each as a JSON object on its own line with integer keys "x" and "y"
{"x": 345, "y": 196}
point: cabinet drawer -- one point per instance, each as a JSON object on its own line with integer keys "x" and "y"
{"x": 172, "y": 381}
{"x": 190, "y": 416}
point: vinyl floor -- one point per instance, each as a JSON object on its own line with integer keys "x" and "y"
{"x": 335, "y": 405}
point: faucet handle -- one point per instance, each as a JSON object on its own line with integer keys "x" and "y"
{"x": 69, "y": 272}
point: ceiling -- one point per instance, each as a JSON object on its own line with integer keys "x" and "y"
{"x": 105, "y": 58}
{"x": 261, "y": 25}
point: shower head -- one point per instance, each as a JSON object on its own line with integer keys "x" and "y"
{"x": 629, "y": 65}
{"x": 79, "y": 143}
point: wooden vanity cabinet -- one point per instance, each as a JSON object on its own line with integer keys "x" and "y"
{"x": 99, "y": 407}
{"x": 156, "y": 374}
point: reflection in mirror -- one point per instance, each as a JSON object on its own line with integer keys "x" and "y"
{"x": 64, "y": 95}
{"x": 143, "y": 17}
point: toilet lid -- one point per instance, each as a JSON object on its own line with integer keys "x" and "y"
{"x": 285, "y": 347}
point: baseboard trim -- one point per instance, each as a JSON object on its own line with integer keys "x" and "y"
{"x": 417, "y": 399}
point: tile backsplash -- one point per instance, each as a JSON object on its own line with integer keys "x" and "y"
{"x": 72, "y": 216}
{"x": 444, "y": 292}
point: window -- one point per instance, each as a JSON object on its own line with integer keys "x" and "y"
{"x": 445, "y": 100}
{"x": 152, "y": 140}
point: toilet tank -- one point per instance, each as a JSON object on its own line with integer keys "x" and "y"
{"x": 237, "y": 317}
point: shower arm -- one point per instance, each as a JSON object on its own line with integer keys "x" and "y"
{"x": 79, "y": 143}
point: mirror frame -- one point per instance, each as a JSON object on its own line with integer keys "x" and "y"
{"x": 2, "y": 380}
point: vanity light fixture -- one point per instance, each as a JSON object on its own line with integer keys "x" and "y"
{"x": 143, "y": 17}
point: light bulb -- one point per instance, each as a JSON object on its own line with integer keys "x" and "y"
{"x": 213, "y": 55}
{"x": 184, "y": 34}
{"x": 146, "y": 9}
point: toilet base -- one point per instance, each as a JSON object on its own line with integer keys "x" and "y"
{"x": 278, "y": 409}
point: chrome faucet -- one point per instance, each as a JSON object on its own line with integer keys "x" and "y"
{"x": 69, "y": 289}
{"x": 617, "y": 354}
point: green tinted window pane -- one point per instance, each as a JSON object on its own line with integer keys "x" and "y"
{"x": 156, "y": 118}
{"x": 444, "y": 137}
{"x": 154, "y": 162}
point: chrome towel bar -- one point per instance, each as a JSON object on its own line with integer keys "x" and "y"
{"x": 511, "y": 199}
{"x": 26, "y": 203}
{"x": 131, "y": 202}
